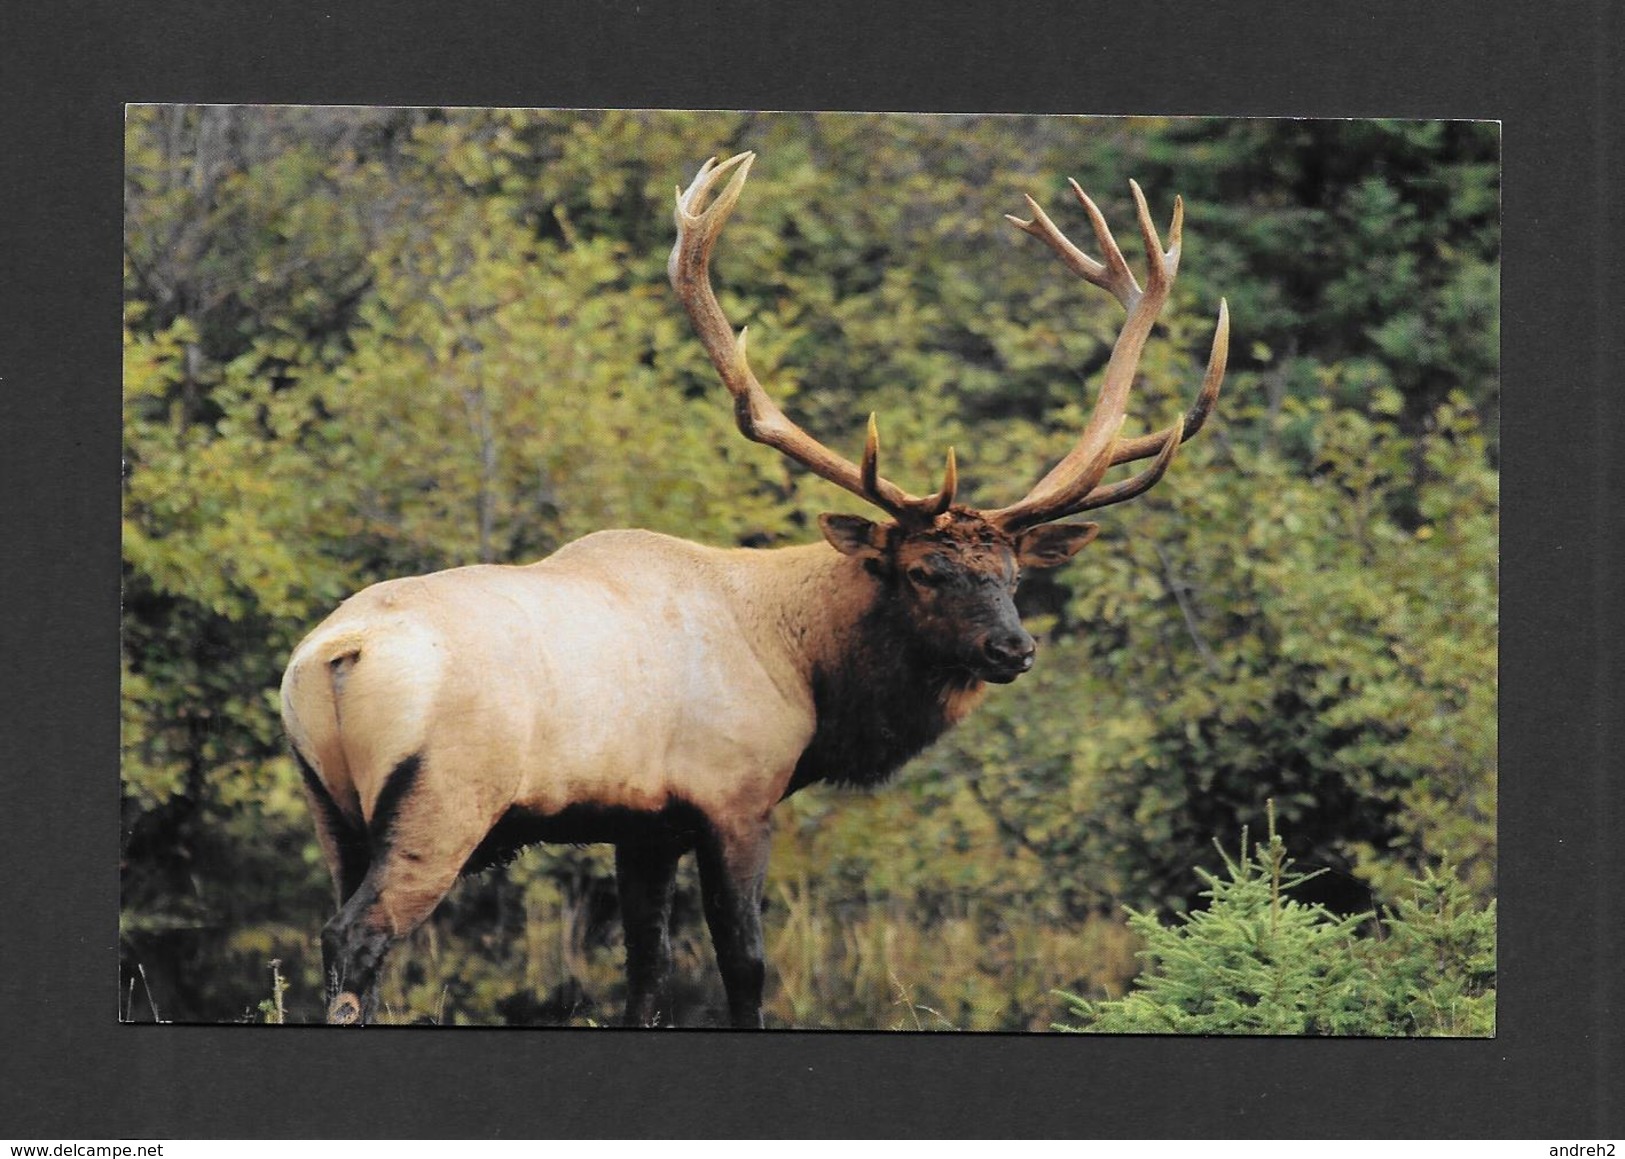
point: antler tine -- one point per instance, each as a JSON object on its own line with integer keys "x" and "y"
{"x": 870, "y": 469}
{"x": 1161, "y": 264}
{"x": 1122, "y": 284}
{"x": 1080, "y": 263}
{"x": 923, "y": 510}
{"x": 944, "y": 498}
{"x": 756, "y": 414}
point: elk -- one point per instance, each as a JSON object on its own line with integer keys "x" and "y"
{"x": 664, "y": 696}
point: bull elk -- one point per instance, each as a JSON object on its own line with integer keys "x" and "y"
{"x": 664, "y": 696}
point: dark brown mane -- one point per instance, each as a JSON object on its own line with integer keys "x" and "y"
{"x": 880, "y": 703}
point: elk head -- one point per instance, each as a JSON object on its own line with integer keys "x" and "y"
{"x": 952, "y": 570}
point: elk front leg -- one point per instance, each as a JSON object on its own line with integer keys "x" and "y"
{"x": 733, "y": 861}
{"x": 645, "y": 879}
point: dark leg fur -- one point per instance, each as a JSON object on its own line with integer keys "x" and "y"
{"x": 646, "y": 878}
{"x": 355, "y": 941}
{"x": 348, "y": 852}
{"x": 732, "y": 865}
{"x": 344, "y": 842}
{"x": 353, "y": 947}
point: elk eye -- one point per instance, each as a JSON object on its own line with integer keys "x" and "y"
{"x": 924, "y": 576}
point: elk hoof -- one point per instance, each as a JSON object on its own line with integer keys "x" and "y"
{"x": 345, "y": 1010}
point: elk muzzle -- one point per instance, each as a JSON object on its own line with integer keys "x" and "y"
{"x": 1006, "y": 654}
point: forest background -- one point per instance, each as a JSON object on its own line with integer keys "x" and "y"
{"x": 363, "y": 343}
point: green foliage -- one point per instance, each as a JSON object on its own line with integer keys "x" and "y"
{"x": 1435, "y": 973}
{"x": 1372, "y": 245}
{"x": 1348, "y": 668}
{"x": 1257, "y": 962}
{"x": 368, "y": 343}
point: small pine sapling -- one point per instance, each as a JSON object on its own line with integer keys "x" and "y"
{"x": 1255, "y": 962}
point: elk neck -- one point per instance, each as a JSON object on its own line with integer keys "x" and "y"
{"x": 879, "y": 699}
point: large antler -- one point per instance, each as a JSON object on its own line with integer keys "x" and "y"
{"x": 1073, "y": 485}
{"x": 759, "y": 418}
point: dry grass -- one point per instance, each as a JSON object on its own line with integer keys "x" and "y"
{"x": 859, "y": 966}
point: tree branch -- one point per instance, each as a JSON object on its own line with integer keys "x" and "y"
{"x": 1178, "y": 588}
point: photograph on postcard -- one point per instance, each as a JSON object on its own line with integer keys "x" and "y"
{"x": 812, "y": 571}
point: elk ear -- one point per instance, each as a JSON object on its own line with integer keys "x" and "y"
{"x": 1052, "y": 544}
{"x": 853, "y": 535}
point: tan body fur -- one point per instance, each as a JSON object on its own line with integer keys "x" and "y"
{"x": 625, "y": 669}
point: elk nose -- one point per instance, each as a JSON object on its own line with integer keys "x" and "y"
{"x": 1012, "y": 651}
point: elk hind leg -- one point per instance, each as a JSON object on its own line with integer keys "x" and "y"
{"x": 420, "y": 838}
{"x": 347, "y": 849}
{"x": 343, "y": 841}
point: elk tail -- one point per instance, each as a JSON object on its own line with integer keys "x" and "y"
{"x": 312, "y": 690}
